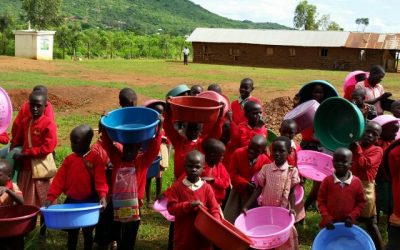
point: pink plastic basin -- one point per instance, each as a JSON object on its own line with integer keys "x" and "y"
{"x": 303, "y": 115}
{"x": 161, "y": 207}
{"x": 6, "y": 111}
{"x": 314, "y": 165}
{"x": 216, "y": 97}
{"x": 350, "y": 79}
{"x": 298, "y": 193}
{"x": 267, "y": 227}
{"x": 385, "y": 119}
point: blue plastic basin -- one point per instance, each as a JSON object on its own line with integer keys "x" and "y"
{"x": 154, "y": 169}
{"x": 131, "y": 124}
{"x": 70, "y": 216}
{"x": 343, "y": 238}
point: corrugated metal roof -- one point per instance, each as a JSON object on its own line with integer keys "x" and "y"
{"x": 373, "y": 41}
{"x": 271, "y": 37}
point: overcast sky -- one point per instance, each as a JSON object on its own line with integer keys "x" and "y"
{"x": 383, "y": 14}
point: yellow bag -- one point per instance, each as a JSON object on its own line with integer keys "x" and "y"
{"x": 43, "y": 167}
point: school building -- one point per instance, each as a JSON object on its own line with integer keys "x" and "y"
{"x": 331, "y": 50}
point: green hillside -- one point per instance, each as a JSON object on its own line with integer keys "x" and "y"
{"x": 176, "y": 17}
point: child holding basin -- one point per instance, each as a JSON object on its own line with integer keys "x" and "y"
{"x": 275, "y": 183}
{"x": 341, "y": 195}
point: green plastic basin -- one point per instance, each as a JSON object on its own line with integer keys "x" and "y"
{"x": 306, "y": 91}
{"x": 178, "y": 90}
{"x": 337, "y": 123}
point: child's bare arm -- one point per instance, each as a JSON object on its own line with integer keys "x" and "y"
{"x": 16, "y": 197}
{"x": 292, "y": 201}
{"x": 252, "y": 199}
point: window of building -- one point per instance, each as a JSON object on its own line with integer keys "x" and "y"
{"x": 270, "y": 51}
{"x": 292, "y": 52}
{"x": 323, "y": 52}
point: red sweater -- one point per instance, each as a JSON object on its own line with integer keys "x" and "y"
{"x": 74, "y": 180}
{"x": 4, "y": 139}
{"x": 25, "y": 112}
{"x": 240, "y": 170}
{"x": 393, "y": 162}
{"x": 182, "y": 145}
{"x": 221, "y": 180}
{"x": 366, "y": 162}
{"x": 383, "y": 174}
{"x": 238, "y": 112}
{"x": 142, "y": 163}
{"x": 336, "y": 203}
{"x": 43, "y": 135}
{"x": 179, "y": 204}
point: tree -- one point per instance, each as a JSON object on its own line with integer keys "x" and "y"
{"x": 305, "y": 16}
{"x": 42, "y": 14}
{"x": 364, "y": 21}
{"x": 334, "y": 26}
{"x": 6, "y": 21}
{"x": 324, "y": 22}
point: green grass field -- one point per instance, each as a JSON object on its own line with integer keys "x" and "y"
{"x": 153, "y": 78}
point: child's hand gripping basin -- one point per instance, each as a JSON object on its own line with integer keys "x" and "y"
{"x": 314, "y": 165}
{"x": 220, "y": 232}
{"x": 343, "y": 238}
{"x": 268, "y": 227}
{"x": 131, "y": 124}
{"x": 338, "y": 123}
{"x": 161, "y": 207}
{"x": 194, "y": 109}
{"x": 70, "y": 216}
{"x": 17, "y": 220}
{"x": 303, "y": 115}
{"x": 6, "y": 111}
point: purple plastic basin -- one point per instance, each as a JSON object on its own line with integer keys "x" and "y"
{"x": 161, "y": 207}
{"x": 303, "y": 115}
{"x": 6, "y": 111}
{"x": 314, "y": 165}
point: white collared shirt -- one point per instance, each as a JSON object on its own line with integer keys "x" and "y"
{"x": 342, "y": 183}
{"x": 193, "y": 186}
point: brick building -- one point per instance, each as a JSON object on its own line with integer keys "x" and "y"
{"x": 332, "y": 50}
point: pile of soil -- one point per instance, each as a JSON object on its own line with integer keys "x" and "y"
{"x": 275, "y": 110}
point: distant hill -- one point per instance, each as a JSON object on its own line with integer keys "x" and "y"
{"x": 176, "y": 17}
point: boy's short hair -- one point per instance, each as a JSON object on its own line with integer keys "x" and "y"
{"x": 288, "y": 122}
{"x": 286, "y": 140}
{"x": 5, "y": 166}
{"x": 194, "y": 153}
{"x": 377, "y": 69}
{"x": 359, "y": 92}
{"x": 212, "y": 143}
{"x": 38, "y": 93}
{"x": 40, "y": 88}
{"x": 395, "y": 104}
{"x": 249, "y": 105}
{"x": 215, "y": 87}
{"x": 127, "y": 93}
{"x": 247, "y": 80}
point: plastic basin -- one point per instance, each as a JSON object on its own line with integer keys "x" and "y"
{"x": 217, "y": 97}
{"x": 221, "y": 233}
{"x": 343, "y": 238}
{"x": 178, "y": 90}
{"x": 161, "y": 207}
{"x": 385, "y": 119}
{"x": 194, "y": 109}
{"x": 6, "y": 111}
{"x": 153, "y": 102}
{"x": 267, "y": 227}
{"x": 350, "y": 79}
{"x": 337, "y": 123}
{"x": 17, "y": 220}
{"x": 306, "y": 91}
{"x": 70, "y": 216}
{"x": 271, "y": 137}
{"x": 303, "y": 115}
{"x": 314, "y": 165}
{"x": 154, "y": 169}
{"x": 298, "y": 193}
{"x": 131, "y": 124}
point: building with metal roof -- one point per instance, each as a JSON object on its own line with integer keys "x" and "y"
{"x": 340, "y": 50}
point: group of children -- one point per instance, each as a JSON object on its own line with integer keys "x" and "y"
{"x": 226, "y": 168}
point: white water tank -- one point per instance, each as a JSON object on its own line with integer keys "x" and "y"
{"x": 34, "y": 44}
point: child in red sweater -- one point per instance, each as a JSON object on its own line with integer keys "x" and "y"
{"x": 237, "y": 106}
{"x": 82, "y": 179}
{"x": 245, "y": 163}
{"x": 341, "y": 195}
{"x": 184, "y": 197}
{"x": 366, "y": 160}
{"x": 214, "y": 171}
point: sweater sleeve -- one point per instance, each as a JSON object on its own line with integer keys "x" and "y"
{"x": 360, "y": 201}
{"x": 100, "y": 178}
{"x": 212, "y": 204}
{"x": 222, "y": 181}
{"x": 58, "y": 184}
{"x": 323, "y": 202}
{"x": 238, "y": 182}
{"x": 152, "y": 152}
{"x": 369, "y": 159}
{"x": 170, "y": 131}
{"x": 176, "y": 207}
{"x": 4, "y": 139}
{"x": 50, "y": 142}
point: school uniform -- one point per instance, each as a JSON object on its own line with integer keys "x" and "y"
{"x": 241, "y": 172}
{"x": 383, "y": 187}
{"x": 5, "y": 199}
{"x": 237, "y": 107}
{"x": 182, "y": 146}
{"x": 366, "y": 162}
{"x": 180, "y": 196}
{"x": 221, "y": 180}
{"x": 338, "y": 200}
{"x": 25, "y": 112}
{"x": 4, "y": 138}
{"x": 394, "y": 219}
{"x": 44, "y": 140}
{"x": 276, "y": 183}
